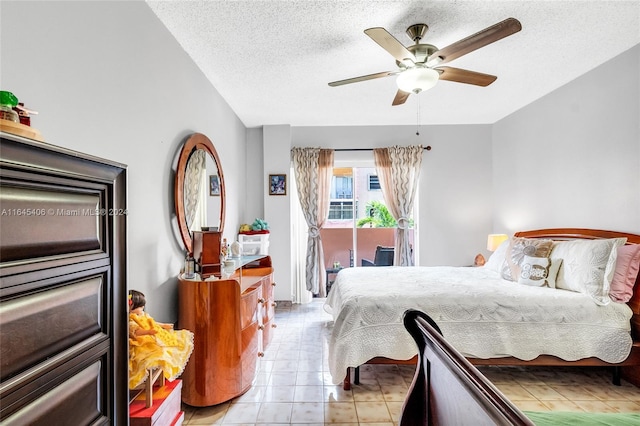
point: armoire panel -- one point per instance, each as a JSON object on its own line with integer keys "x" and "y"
{"x": 38, "y": 325}
{"x": 39, "y": 222}
{"x": 76, "y": 401}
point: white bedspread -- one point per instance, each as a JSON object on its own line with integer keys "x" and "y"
{"x": 480, "y": 314}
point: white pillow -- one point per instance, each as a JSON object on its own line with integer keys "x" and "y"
{"x": 587, "y": 266}
{"x": 497, "y": 257}
{"x": 539, "y": 271}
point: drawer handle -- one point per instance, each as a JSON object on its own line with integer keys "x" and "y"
{"x": 261, "y": 300}
{"x": 260, "y": 354}
{"x": 273, "y": 284}
{"x": 274, "y": 304}
{"x": 261, "y": 327}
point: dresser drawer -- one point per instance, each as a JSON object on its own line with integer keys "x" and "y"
{"x": 268, "y": 311}
{"x": 249, "y": 306}
{"x": 267, "y": 333}
{"x": 249, "y": 354}
{"x": 268, "y": 287}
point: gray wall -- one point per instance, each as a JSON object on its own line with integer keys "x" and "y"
{"x": 108, "y": 79}
{"x": 572, "y": 158}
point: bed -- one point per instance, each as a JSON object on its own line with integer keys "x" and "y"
{"x": 488, "y": 319}
{"x": 448, "y": 390}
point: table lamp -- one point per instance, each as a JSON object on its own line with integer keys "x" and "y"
{"x": 494, "y": 241}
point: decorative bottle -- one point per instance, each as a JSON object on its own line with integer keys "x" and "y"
{"x": 224, "y": 250}
{"x": 189, "y": 266}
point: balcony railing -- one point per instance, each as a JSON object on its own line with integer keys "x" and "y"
{"x": 338, "y": 243}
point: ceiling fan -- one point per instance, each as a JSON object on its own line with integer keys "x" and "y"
{"x": 419, "y": 65}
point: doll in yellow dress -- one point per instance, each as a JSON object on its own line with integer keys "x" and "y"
{"x": 154, "y": 345}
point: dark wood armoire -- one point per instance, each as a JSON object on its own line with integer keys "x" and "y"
{"x": 63, "y": 270}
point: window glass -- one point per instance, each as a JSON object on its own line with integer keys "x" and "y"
{"x": 374, "y": 183}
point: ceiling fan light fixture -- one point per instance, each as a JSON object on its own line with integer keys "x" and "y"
{"x": 415, "y": 80}
{"x": 407, "y": 62}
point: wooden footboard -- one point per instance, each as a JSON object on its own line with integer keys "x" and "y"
{"x": 447, "y": 389}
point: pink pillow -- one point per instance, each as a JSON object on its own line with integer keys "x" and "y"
{"x": 624, "y": 278}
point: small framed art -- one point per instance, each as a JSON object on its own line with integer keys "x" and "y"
{"x": 277, "y": 184}
{"x": 214, "y": 185}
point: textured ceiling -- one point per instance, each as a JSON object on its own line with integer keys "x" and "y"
{"x": 272, "y": 60}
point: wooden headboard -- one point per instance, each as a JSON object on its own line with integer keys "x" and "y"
{"x": 594, "y": 234}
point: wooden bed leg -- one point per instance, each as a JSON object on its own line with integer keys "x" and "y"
{"x": 356, "y": 376}
{"x": 346, "y": 384}
{"x": 616, "y": 375}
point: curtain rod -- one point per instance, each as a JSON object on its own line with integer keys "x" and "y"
{"x": 427, "y": 148}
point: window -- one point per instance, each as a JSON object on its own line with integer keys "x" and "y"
{"x": 356, "y": 225}
{"x": 341, "y": 210}
{"x": 374, "y": 183}
{"x": 342, "y": 187}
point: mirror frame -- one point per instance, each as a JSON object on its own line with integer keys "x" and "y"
{"x": 194, "y": 142}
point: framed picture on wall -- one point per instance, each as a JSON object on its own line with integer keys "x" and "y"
{"x": 277, "y": 184}
{"x": 214, "y": 185}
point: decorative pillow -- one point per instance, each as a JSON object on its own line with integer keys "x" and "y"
{"x": 587, "y": 266}
{"x": 625, "y": 274}
{"x": 497, "y": 257}
{"x": 539, "y": 271}
{"x": 518, "y": 248}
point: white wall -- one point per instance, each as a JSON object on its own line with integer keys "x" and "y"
{"x": 572, "y": 158}
{"x": 108, "y": 79}
{"x": 277, "y": 212}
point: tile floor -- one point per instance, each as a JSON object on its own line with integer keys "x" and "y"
{"x": 293, "y": 385}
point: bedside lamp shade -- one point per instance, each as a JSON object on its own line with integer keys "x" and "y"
{"x": 494, "y": 240}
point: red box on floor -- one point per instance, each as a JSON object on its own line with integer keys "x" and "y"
{"x": 165, "y": 410}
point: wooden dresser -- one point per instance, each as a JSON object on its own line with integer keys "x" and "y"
{"x": 232, "y": 321}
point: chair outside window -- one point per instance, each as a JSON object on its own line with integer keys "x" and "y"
{"x": 383, "y": 257}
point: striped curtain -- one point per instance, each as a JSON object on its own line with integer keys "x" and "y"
{"x": 313, "y": 168}
{"x": 398, "y": 170}
{"x": 193, "y": 181}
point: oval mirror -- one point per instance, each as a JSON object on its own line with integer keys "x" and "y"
{"x": 199, "y": 189}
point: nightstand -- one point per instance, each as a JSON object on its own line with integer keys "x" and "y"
{"x": 331, "y": 271}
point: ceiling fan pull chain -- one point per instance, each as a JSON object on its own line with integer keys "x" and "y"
{"x": 418, "y": 118}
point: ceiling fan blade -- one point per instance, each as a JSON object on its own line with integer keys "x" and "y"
{"x": 401, "y": 97}
{"x": 465, "y": 76}
{"x": 390, "y": 44}
{"x": 480, "y": 39}
{"x": 362, "y": 78}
